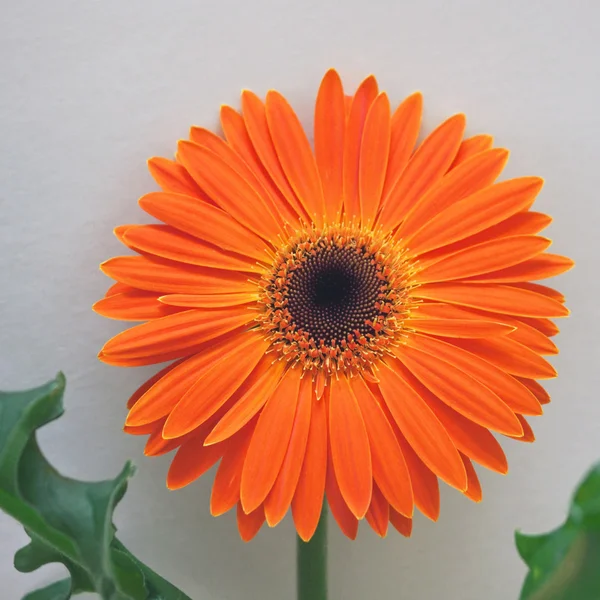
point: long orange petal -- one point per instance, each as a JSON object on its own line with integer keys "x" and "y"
{"x": 249, "y": 524}
{"x": 427, "y": 165}
{"x": 216, "y": 386}
{"x": 516, "y": 396}
{"x": 528, "y": 435}
{"x": 135, "y": 305}
{"x": 484, "y": 258}
{"x": 425, "y": 485}
{"x": 373, "y": 158}
{"x": 192, "y": 460}
{"x": 493, "y": 298}
{"x": 470, "y": 438}
{"x": 378, "y": 515}
{"x": 308, "y": 498}
{"x": 204, "y": 221}
{"x": 173, "y": 177}
{"x": 421, "y": 428}
{"x": 510, "y": 356}
{"x": 255, "y": 118}
{"x": 248, "y": 405}
{"x": 541, "y": 289}
{"x": 473, "y": 491}
{"x": 401, "y": 523}
{"x": 226, "y": 488}
{"x": 536, "y": 389}
{"x": 181, "y": 332}
{"x": 406, "y": 122}
{"x": 133, "y": 399}
{"x": 280, "y": 497}
{"x": 476, "y": 212}
{"x": 471, "y": 146}
{"x": 295, "y": 155}
{"x": 167, "y": 242}
{"x": 163, "y": 391}
{"x": 229, "y": 189}
{"x": 208, "y": 300}
{"x": 343, "y": 516}
{"x": 459, "y": 390}
{"x": 270, "y": 442}
{"x": 539, "y": 267}
{"x": 361, "y": 102}
{"x": 474, "y": 174}
{"x": 208, "y": 139}
{"x": 330, "y": 125}
{"x": 350, "y": 449}
{"x": 389, "y": 467}
{"x": 461, "y": 328}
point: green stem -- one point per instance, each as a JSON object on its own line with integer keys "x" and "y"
{"x": 312, "y": 563}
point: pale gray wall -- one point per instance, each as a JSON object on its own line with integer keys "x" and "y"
{"x": 90, "y": 89}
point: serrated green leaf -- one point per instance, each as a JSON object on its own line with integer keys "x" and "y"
{"x": 565, "y": 563}
{"x": 68, "y": 521}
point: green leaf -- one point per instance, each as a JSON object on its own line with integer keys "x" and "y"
{"x": 565, "y": 563}
{"x": 68, "y": 521}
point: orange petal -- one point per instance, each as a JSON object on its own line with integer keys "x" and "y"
{"x": 421, "y": 428}
{"x": 214, "y": 388}
{"x": 181, "y": 332}
{"x": 270, "y": 442}
{"x": 226, "y": 488}
{"x": 295, "y": 155}
{"x": 406, "y": 122}
{"x": 192, "y": 460}
{"x": 157, "y": 445}
{"x": 350, "y": 449}
{"x": 425, "y": 485}
{"x": 503, "y": 385}
{"x": 476, "y": 212}
{"x": 135, "y": 305}
{"x": 237, "y": 136}
{"x": 510, "y": 356}
{"x": 150, "y": 382}
{"x": 117, "y": 288}
{"x": 389, "y": 467}
{"x": 493, "y": 298}
{"x": 173, "y": 177}
{"x": 427, "y": 165}
{"x": 361, "y": 102}
{"x": 158, "y": 396}
{"x": 280, "y": 497}
{"x": 540, "y": 289}
{"x": 471, "y": 146}
{"x": 204, "y": 221}
{"x": 248, "y": 405}
{"x": 343, "y": 516}
{"x": 401, "y": 523}
{"x": 378, "y": 515}
{"x": 470, "y": 438}
{"x": 539, "y": 267}
{"x": 208, "y": 300}
{"x": 536, "y": 389}
{"x": 229, "y": 189}
{"x": 523, "y": 223}
{"x": 308, "y": 498}
{"x": 528, "y": 435}
{"x": 533, "y": 338}
{"x": 373, "y": 159}
{"x": 157, "y": 275}
{"x": 330, "y": 124}
{"x": 461, "y": 328}
{"x": 484, "y": 258}
{"x": 249, "y": 524}
{"x": 167, "y": 242}
{"x": 459, "y": 390}
{"x": 473, "y": 491}
{"x": 475, "y": 174}
{"x": 208, "y": 139}
{"x": 546, "y": 326}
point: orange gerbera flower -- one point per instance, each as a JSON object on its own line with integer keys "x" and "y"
{"x": 350, "y": 323}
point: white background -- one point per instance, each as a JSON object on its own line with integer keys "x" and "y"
{"x": 90, "y": 89}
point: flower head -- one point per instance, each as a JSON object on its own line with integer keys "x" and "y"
{"x": 350, "y": 323}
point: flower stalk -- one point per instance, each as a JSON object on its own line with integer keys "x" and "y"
{"x": 312, "y": 563}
